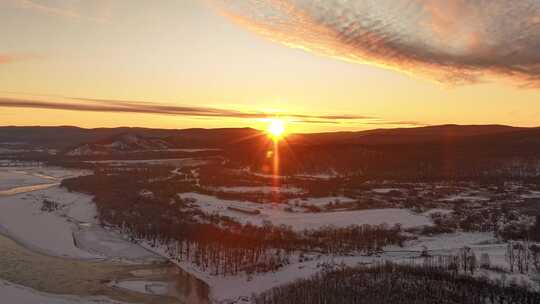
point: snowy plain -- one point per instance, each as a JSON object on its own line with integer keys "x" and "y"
{"x": 240, "y": 288}
{"x": 73, "y": 232}
{"x": 277, "y": 215}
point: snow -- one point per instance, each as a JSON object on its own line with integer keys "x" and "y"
{"x": 117, "y": 146}
{"x": 384, "y": 190}
{"x": 194, "y": 150}
{"x": 82, "y": 209}
{"x": 146, "y": 287}
{"x": 532, "y": 194}
{"x": 259, "y": 189}
{"x": 13, "y": 179}
{"x": 25, "y": 189}
{"x": 17, "y": 294}
{"x": 320, "y": 201}
{"x": 479, "y": 242}
{"x": 182, "y": 162}
{"x": 25, "y": 179}
{"x": 101, "y": 242}
{"x": 22, "y": 220}
{"x": 241, "y": 287}
{"x": 438, "y": 211}
{"x": 347, "y": 218}
{"x": 277, "y": 215}
{"x": 84, "y": 150}
{"x": 71, "y": 232}
{"x": 465, "y": 197}
{"x": 51, "y": 173}
{"x": 450, "y": 241}
{"x": 320, "y": 176}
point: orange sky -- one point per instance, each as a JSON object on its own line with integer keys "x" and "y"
{"x": 182, "y": 53}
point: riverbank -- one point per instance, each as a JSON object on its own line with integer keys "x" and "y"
{"x": 46, "y": 253}
{"x": 83, "y": 279}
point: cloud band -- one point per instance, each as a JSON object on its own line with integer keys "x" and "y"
{"x": 457, "y": 41}
{"x": 121, "y": 106}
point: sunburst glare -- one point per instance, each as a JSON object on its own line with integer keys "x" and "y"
{"x": 276, "y": 128}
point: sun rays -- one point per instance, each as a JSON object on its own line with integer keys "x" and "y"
{"x": 276, "y": 128}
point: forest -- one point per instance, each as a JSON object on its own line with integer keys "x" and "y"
{"x": 214, "y": 243}
{"x": 392, "y": 283}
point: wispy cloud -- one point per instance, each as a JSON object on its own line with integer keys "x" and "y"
{"x": 9, "y": 58}
{"x": 49, "y": 9}
{"x": 62, "y": 8}
{"x": 458, "y": 41}
{"x": 123, "y": 106}
{"x": 5, "y": 58}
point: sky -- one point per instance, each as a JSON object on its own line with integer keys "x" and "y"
{"x": 321, "y": 65}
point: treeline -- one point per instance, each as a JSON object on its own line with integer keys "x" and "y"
{"x": 522, "y": 257}
{"x": 392, "y": 283}
{"x": 216, "y": 244}
{"x": 432, "y": 160}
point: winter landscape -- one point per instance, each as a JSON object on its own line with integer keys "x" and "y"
{"x": 269, "y": 152}
{"x": 199, "y": 225}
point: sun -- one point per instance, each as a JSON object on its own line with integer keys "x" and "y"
{"x": 276, "y": 128}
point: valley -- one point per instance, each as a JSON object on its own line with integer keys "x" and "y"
{"x": 238, "y": 230}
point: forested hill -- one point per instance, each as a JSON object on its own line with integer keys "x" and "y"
{"x": 426, "y": 152}
{"x": 67, "y": 136}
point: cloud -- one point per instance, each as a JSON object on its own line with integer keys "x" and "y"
{"x": 122, "y": 106}
{"x": 64, "y": 8}
{"x": 49, "y": 9}
{"x": 5, "y": 58}
{"x": 457, "y": 41}
{"x": 9, "y": 58}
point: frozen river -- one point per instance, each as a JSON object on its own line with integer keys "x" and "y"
{"x": 85, "y": 279}
{"x": 82, "y": 278}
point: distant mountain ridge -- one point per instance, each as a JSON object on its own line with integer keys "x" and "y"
{"x": 127, "y": 142}
{"x": 405, "y": 135}
{"x": 445, "y": 151}
{"x": 78, "y": 141}
{"x": 67, "y": 137}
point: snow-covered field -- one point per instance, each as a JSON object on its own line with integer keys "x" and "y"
{"x": 532, "y": 194}
{"x": 179, "y": 162}
{"x": 277, "y": 215}
{"x": 319, "y": 201}
{"x": 16, "y": 294}
{"x": 384, "y": 190}
{"x": 465, "y": 197}
{"x": 480, "y": 243}
{"x": 259, "y": 189}
{"x": 438, "y": 211}
{"x": 239, "y": 288}
{"x": 73, "y": 231}
{"x": 319, "y": 176}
